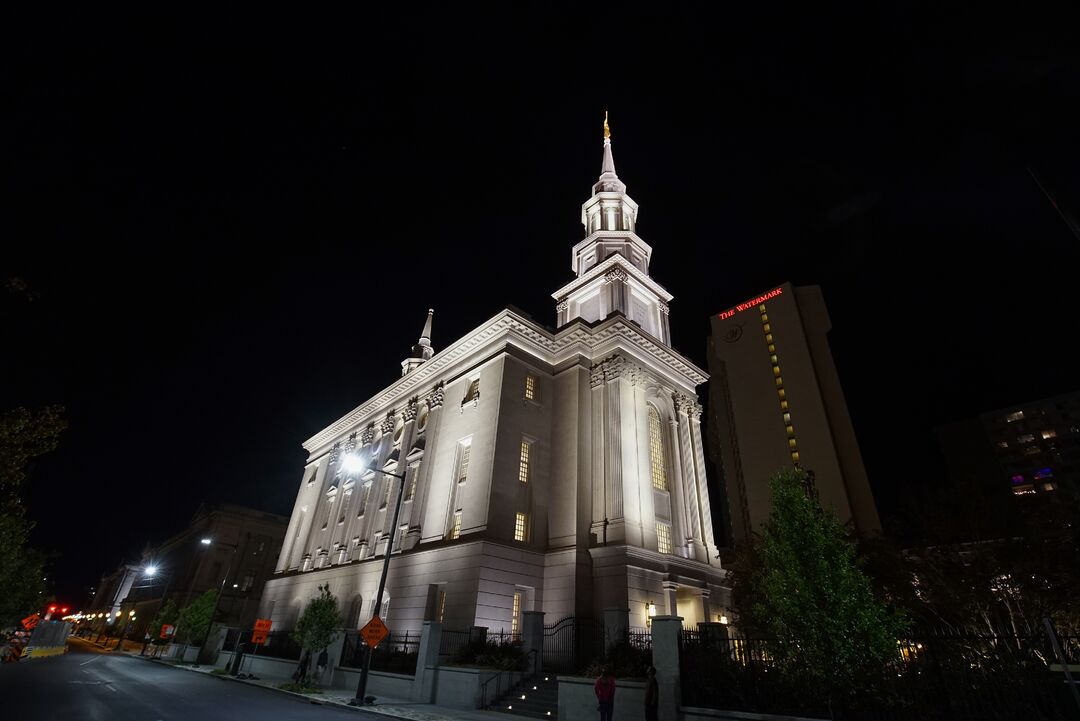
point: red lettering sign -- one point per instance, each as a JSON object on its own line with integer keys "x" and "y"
{"x": 750, "y": 303}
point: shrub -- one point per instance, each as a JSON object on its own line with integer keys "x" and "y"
{"x": 508, "y": 656}
{"x": 624, "y": 660}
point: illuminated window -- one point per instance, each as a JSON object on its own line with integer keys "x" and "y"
{"x": 523, "y": 462}
{"x": 521, "y": 526}
{"x": 463, "y": 462}
{"x": 442, "y": 606}
{"x": 790, "y": 429}
{"x": 656, "y": 452}
{"x": 787, "y": 418}
{"x": 783, "y": 405}
{"x": 767, "y": 328}
{"x": 1026, "y": 438}
{"x": 663, "y": 537}
{"x": 472, "y": 393}
{"x": 772, "y": 349}
{"x": 776, "y": 371}
{"x": 455, "y": 527}
{"x": 1049, "y": 434}
{"x": 768, "y": 338}
{"x": 791, "y": 443}
{"x": 515, "y": 614}
{"x": 1003, "y": 444}
{"x": 1049, "y": 487}
{"x": 1018, "y": 416}
{"x": 774, "y": 361}
{"x": 779, "y": 382}
{"x": 764, "y": 317}
{"x": 530, "y": 388}
{"x": 794, "y": 456}
{"x": 1042, "y": 473}
{"x": 781, "y": 393}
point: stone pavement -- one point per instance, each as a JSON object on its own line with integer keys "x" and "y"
{"x": 396, "y": 708}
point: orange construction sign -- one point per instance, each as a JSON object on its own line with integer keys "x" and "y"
{"x": 374, "y": 631}
{"x": 30, "y": 621}
{"x": 262, "y": 630}
{"x": 167, "y": 630}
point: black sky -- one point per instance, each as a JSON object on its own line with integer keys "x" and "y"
{"x": 235, "y": 223}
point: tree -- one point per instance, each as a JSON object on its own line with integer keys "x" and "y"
{"x": 166, "y": 616}
{"x": 194, "y": 619}
{"x": 24, "y": 435}
{"x": 801, "y": 585}
{"x": 320, "y": 624}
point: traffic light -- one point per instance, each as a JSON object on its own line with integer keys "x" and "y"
{"x": 64, "y": 609}
{"x": 52, "y": 609}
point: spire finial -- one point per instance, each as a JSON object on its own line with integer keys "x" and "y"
{"x": 607, "y": 129}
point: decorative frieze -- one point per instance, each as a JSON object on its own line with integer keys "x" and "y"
{"x": 367, "y": 435}
{"x": 562, "y": 306}
{"x": 663, "y": 307}
{"x": 335, "y": 451}
{"x": 616, "y": 367}
{"x": 389, "y": 423}
{"x": 615, "y": 274}
{"x": 410, "y": 410}
{"x": 350, "y": 445}
{"x": 687, "y": 404}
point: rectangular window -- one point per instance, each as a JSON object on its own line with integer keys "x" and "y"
{"x": 791, "y": 443}
{"x": 776, "y": 371}
{"x": 1049, "y": 434}
{"x": 794, "y": 456}
{"x": 515, "y": 614}
{"x": 386, "y": 494}
{"x": 521, "y": 526}
{"x": 1018, "y": 416}
{"x": 410, "y": 484}
{"x": 442, "y": 606}
{"x": 345, "y": 504}
{"x": 530, "y": 388}
{"x": 781, "y": 392}
{"x": 783, "y": 405}
{"x": 523, "y": 463}
{"x": 1003, "y": 444}
{"x": 1026, "y": 438}
{"x": 455, "y": 527}
{"x": 663, "y": 537}
{"x": 772, "y": 348}
{"x": 400, "y": 538}
{"x": 472, "y": 392}
{"x": 463, "y": 462}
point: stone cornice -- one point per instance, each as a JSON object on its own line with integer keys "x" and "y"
{"x": 601, "y": 269}
{"x": 576, "y": 338}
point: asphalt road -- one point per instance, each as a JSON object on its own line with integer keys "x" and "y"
{"x": 88, "y": 684}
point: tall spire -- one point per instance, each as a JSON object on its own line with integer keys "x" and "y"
{"x": 422, "y": 351}
{"x": 609, "y": 182}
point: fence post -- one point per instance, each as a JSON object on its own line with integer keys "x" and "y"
{"x": 427, "y": 655}
{"x": 532, "y": 638}
{"x": 665, "y": 651}
{"x": 478, "y": 634}
{"x": 616, "y": 626}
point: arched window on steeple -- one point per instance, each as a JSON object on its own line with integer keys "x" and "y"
{"x": 657, "y": 461}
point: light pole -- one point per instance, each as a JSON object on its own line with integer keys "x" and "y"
{"x": 217, "y": 599}
{"x": 151, "y": 571}
{"x": 353, "y": 462}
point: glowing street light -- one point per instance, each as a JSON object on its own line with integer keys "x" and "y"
{"x": 150, "y": 570}
{"x": 206, "y": 541}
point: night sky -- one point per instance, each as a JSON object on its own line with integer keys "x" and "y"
{"x": 234, "y": 225}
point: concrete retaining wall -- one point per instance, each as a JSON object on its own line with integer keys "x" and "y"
{"x": 577, "y": 700}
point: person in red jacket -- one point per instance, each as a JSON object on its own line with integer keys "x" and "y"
{"x": 605, "y": 693}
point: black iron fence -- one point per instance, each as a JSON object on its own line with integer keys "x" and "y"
{"x": 572, "y": 644}
{"x": 939, "y": 677}
{"x": 279, "y": 644}
{"x": 453, "y": 641}
{"x": 396, "y": 654}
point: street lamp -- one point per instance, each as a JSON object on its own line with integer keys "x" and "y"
{"x": 353, "y": 463}
{"x": 221, "y": 589}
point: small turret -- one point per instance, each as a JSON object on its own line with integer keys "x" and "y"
{"x": 422, "y": 351}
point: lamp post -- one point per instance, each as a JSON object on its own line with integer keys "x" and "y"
{"x": 353, "y": 462}
{"x": 151, "y": 571}
{"x": 217, "y": 599}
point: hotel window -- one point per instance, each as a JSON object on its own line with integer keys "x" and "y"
{"x": 521, "y": 526}
{"x": 783, "y": 405}
{"x": 787, "y": 418}
{"x": 772, "y": 358}
{"x": 663, "y": 537}
{"x": 1026, "y": 438}
{"x": 768, "y": 338}
{"x": 791, "y": 443}
{"x": 515, "y": 615}
{"x": 1017, "y": 416}
{"x": 442, "y": 606}
{"x": 1049, "y": 434}
{"x": 790, "y": 429}
{"x": 1003, "y": 444}
{"x": 455, "y": 527}
{"x": 656, "y": 452}
{"x": 530, "y": 388}
{"x": 795, "y": 457}
{"x": 767, "y": 328}
{"x": 781, "y": 393}
{"x": 764, "y": 317}
{"x": 779, "y": 382}
{"x": 772, "y": 349}
{"x": 523, "y": 462}
{"x": 463, "y": 462}
{"x": 472, "y": 393}
{"x": 776, "y": 371}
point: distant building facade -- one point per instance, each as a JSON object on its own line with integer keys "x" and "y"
{"x": 1032, "y": 449}
{"x": 555, "y": 470}
{"x": 244, "y": 546}
{"x": 776, "y": 402}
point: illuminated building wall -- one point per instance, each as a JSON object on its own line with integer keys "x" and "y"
{"x": 776, "y": 402}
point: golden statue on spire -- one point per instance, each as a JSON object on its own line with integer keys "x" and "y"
{"x": 607, "y": 130}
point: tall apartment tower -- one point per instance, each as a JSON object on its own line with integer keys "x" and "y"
{"x": 776, "y": 402}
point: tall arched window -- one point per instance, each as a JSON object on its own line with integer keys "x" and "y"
{"x": 657, "y": 462}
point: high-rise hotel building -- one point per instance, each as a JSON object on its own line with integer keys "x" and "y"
{"x": 776, "y": 402}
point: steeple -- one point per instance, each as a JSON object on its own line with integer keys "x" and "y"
{"x": 422, "y": 351}
{"x": 612, "y": 262}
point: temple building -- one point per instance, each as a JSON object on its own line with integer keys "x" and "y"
{"x": 558, "y": 470}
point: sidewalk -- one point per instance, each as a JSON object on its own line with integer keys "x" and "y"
{"x": 395, "y": 708}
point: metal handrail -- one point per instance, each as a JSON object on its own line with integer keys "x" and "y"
{"x": 498, "y": 677}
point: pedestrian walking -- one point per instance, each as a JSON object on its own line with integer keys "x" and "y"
{"x": 301, "y": 670}
{"x": 652, "y": 694}
{"x": 320, "y": 665}
{"x": 605, "y": 694}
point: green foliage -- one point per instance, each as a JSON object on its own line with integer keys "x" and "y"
{"x": 24, "y": 435}
{"x": 194, "y": 619}
{"x": 624, "y": 660}
{"x": 167, "y": 615}
{"x": 801, "y": 585}
{"x": 506, "y": 656}
{"x": 320, "y": 624}
{"x": 299, "y": 688}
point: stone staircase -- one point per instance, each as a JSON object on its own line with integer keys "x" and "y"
{"x": 538, "y": 698}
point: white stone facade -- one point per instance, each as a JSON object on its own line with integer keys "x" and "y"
{"x": 564, "y": 467}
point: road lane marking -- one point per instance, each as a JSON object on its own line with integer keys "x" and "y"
{"x": 95, "y": 658}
